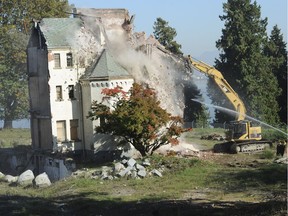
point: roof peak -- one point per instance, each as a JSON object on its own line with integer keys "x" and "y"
{"x": 107, "y": 67}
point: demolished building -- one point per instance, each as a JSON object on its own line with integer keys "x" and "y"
{"x": 70, "y": 61}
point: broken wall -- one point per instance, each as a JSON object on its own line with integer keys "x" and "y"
{"x": 40, "y": 112}
{"x": 144, "y": 58}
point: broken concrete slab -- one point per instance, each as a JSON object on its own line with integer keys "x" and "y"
{"x": 1, "y": 176}
{"x": 134, "y": 174}
{"x": 11, "y": 179}
{"x": 131, "y": 162}
{"x": 283, "y": 160}
{"x": 118, "y": 167}
{"x": 125, "y": 172}
{"x": 124, "y": 161}
{"x": 26, "y": 178}
{"x": 142, "y": 173}
{"x": 139, "y": 167}
{"x": 42, "y": 180}
{"x": 156, "y": 172}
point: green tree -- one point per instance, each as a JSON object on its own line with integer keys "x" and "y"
{"x": 165, "y": 35}
{"x": 138, "y": 119}
{"x": 202, "y": 120}
{"x": 277, "y": 53}
{"x": 243, "y": 62}
{"x": 15, "y": 23}
{"x": 13, "y": 81}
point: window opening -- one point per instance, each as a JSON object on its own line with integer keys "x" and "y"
{"x": 57, "y": 63}
{"x": 74, "y": 129}
{"x": 69, "y": 60}
{"x": 59, "y": 93}
{"x": 61, "y": 131}
{"x": 71, "y": 92}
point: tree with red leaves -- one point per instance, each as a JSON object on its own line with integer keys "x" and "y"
{"x": 138, "y": 119}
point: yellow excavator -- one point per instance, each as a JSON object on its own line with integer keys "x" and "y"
{"x": 241, "y": 135}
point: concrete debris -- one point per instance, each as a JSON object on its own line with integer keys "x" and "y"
{"x": 181, "y": 150}
{"x": 139, "y": 167}
{"x": 125, "y": 169}
{"x": 1, "y": 175}
{"x": 156, "y": 173}
{"x": 216, "y": 137}
{"x": 10, "y": 179}
{"x": 146, "y": 163}
{"x": 124, "y": 161}
{"x": 118, "y": 167}
{"x": 142, "y": 173}
{"x": 131, "y": 162}
{"x": 283, "y": 160}
{"x": 26, "y": 178}
{"x": 42, "y": 180}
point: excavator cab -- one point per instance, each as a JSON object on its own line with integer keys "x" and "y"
{"x": 243, "y": 131}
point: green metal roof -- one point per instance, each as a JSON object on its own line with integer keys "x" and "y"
{"x": 107, "y": 68}
{"x": 59, "y": 32}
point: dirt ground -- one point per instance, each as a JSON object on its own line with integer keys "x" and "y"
{"x": 194, "y": 202}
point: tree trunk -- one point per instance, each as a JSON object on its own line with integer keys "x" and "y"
{"x": 7, "y": 124}
{"x": 140, "y": 147}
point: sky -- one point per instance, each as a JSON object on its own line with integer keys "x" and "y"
{"x": 197, "y": 23}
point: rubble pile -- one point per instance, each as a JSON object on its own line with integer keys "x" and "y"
{"x": 127, "y": 168}
{"x": 27, "y": 178}
{"x": 216, "y": 137}
{"x": 283, "y": 160}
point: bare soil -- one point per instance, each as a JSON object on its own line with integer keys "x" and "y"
{"x": 196, "y": 201}
{"x": 193, "y": 202}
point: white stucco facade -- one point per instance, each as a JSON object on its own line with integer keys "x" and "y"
{"x": 69, "y": 65}
{"x": 92, "y": 91}
{"x": 71, "y": 99}
{"x": 65, "y": 98}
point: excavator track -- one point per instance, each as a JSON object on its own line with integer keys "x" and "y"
{"x": 242, "y": 147}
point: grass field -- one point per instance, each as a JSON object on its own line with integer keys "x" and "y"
{"x": 214, "y": 184}
{"x": 14, "y": 137}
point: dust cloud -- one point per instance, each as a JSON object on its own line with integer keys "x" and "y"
{"x": 143, "y": 57}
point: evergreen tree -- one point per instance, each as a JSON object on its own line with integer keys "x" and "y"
{"x": 203, "y": 116}
{"x": 243, "y": 63}
{"x": 194, "y": 111}
{"x": 165, "y": 35}
{"x": 277, "y": 53}
{"x": 15, "y": 22}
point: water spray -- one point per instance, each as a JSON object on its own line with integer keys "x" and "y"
{"x": 229, "y": 111}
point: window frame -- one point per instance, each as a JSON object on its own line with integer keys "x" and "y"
{"x": 74, "y": 129}
{"x": 71, "y": 92}
{"x": 69, "y": 60}
{"x": 59, "y": 94}
{"x": 57, "y": 60}
{"x": 61, "y": 135}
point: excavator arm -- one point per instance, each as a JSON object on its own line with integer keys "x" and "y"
{"x": 241, "y": 136}
{"x": 223, "y": 85}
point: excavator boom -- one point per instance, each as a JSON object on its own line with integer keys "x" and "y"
{"x": 241, "y": 136}
{"x": 231, "y": 95}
